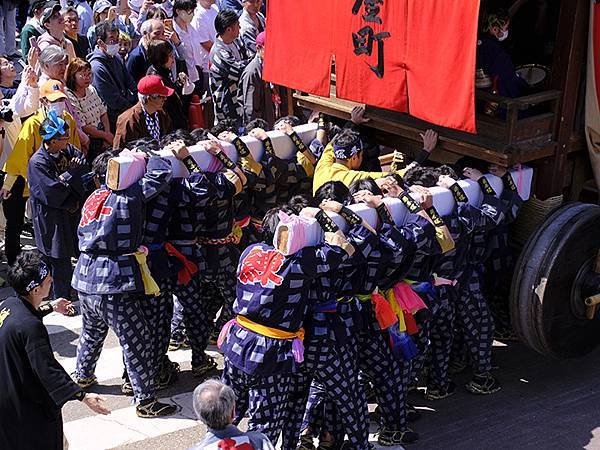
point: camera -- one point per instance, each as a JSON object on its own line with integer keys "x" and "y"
{"x": 6, "y": 113}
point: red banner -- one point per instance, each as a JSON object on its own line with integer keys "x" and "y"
{"x": 415, "y": 56}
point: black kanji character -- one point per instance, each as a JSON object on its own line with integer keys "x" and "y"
{"x": 372, "y": 10}
{"x": 363, "y": 45}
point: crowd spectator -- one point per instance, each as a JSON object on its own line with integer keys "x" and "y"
{"x": 8, "y": 28}
{"x": 125, "y": 43}
{"x": 257, "y": 94}
{"x": 85, "y": 14}
{"x": 146, "y": 117}
{"x": 8, "y": 74}
{"x": 33, "y": 28}
{"x": 204, "y": 23}
{"x": 137, "y": 62}
{"x": 105, "y": 11}
{"x": 79, "y": 41}
{"x": 189, "y": 49}
{"x": 493, "y": 58}
{"x": 53, "y": 23}
{"x": 88, "y": 106}
{"x": 235, "y": 5}
{"x": 162, "y": 60}
{"x": 14, "y": 190}
{"x": 214, "y": 404}
{"x": 112, "y": 80}
{"x": 33, "y": 384}
{"x": 227, "y": 61}
{"x": 53, "y": 63}
{"x": 56, "y": 194}
{"x": 23, "y": 102}
{"x": 149, "y": 9}
{"x": 252, "y": 22}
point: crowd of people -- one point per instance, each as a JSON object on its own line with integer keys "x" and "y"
{"x": 308, "y": 338}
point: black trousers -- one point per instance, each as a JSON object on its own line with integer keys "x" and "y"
{"x": 14, "y": 212}
{"x": 62, "y": 272}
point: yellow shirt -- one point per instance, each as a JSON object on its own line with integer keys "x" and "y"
{"x": 328, "y": 170}
{"x": 28, "y": 142}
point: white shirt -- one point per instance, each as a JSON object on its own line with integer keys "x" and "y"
{"x": 190, "y": 49}
{"x": 204, "y": 23}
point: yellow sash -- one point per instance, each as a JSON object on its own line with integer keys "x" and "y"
{"x": 150, "y": 286}
{"x": 363, "y": 298}
{"x": 272, "y": 333}
{"x": 391, "y": 298}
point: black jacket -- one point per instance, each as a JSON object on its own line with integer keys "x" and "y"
{"x": 33, "y": 385}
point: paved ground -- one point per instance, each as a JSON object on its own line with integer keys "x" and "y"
{"x": 545, "y": 404}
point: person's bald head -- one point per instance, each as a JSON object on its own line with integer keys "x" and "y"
{"x": 214, "y": 404}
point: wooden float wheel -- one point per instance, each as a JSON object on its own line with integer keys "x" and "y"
{"x": 558, "y": 269}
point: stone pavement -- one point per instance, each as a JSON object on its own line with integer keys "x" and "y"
{"x": 545, "y": 404}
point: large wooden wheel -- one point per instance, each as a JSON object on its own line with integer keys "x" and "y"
{"x": 556, "y": 273}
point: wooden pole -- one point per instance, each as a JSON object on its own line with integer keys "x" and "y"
{"x": 567, "y": 69}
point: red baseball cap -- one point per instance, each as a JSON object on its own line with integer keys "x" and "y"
{"x": 153, "y": 85}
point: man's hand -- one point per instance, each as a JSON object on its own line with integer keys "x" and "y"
{"x": 179, "y": 149}
{"x": 309, "y": 212}
{"x": 96, "y": 403}
{"x": 112, "y": 14}
{"x": 75, "y": 162}
{"x": 426, "y": 199}
{"x": 213, "y": 147}
{"x": 258, "y": 133}
{"x": 446, "y": 181}
{"x": 430, "y": 139}
{"x": 146, "y": 6}
{"x": 368, "y": 198}
{"x": 472, "y": 174}
{"x": 5, "y": 193}
{"x": 29, "y": 77}
{"x": 172, "y": 36}
{"x": 284, "y": 127}
{"x": 497, "y": 170}
{"x": 227, "y": 136}
{"x": 357, "y": 115}
{"x": 331, "y": 206}
{"x": 63, "y": 306}
{"x": 389, "y": 187}
{"x": 32, "y": 56}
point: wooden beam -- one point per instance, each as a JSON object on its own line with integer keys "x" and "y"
{"x": 404, "y": 131}
{"x": 567, "y": 67}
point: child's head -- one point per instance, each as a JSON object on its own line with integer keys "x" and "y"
{"x": 124, "y": 45}
{"x": 332, "y": 190}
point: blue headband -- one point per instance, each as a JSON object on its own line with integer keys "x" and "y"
{"x": 43, "y": 272}
{"x": 49, "y": 131}
{"x": 347, "y": 151}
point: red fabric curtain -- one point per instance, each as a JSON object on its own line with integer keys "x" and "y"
{"x": 298, "y": 49}
{"x": 415, "y": 56}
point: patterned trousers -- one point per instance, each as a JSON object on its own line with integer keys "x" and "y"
{"x": 177, "y": 323}
{"x": 262, "y": 399}
{"x": 297, "y": 399}
{"x": 218, "y": 281}
{"x": 196, "y": 318}
{"x": 376, "y": 361}
{"x": 158, "y": 311}
{"x": 441, "y": 333}
{"x": 474, "y": 321}
{"x": 124, "y": 315}
{"x": 334, "y": 366}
